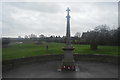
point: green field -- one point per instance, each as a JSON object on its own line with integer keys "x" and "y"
{"x": 25, "y": 50}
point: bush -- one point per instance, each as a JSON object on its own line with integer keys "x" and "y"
{"x": 5, "y": 41}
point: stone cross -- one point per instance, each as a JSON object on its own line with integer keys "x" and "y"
{"x": 68, "y": 62}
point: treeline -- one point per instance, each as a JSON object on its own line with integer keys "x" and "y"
{"x": 100, "y": 35}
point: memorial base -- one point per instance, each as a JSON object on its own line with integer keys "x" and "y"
{"x": 68, "y": 63}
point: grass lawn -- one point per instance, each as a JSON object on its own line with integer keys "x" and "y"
{"x": 25, "y": 50}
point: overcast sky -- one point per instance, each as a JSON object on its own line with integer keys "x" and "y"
{"x": 25, "y": 18}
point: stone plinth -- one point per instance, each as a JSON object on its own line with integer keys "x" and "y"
{"x": 68, "y": 56}
{"x": 68, "y": 62}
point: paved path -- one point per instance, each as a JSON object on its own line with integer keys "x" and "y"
{"x": 49, "y": 70}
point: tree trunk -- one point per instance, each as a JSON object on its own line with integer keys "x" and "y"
{"x": 93, "y": 45}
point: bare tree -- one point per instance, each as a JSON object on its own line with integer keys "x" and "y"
{"x": 78, "y": 34}
{"x": 99, "y": 35}
{"x": 26, "y": 37}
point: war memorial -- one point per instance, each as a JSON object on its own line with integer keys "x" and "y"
{"x": 66, "y": 65}
{"x": 68, "y": 62}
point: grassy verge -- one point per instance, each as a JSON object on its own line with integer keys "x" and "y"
{"x": 25, "y": 50}
{"x": 107, "y": 50}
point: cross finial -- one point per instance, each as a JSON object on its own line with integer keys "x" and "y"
{"x": 68, "y": 9}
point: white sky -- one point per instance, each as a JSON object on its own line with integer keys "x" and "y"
{"x": 49, "y": 18}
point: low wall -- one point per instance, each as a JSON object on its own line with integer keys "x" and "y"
{"x": 9, "y": 64}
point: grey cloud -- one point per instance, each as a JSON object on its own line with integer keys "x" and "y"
{"x": 49, "y": 18}
{"x": 36, "y": 6}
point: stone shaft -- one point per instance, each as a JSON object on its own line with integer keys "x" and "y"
{"x": 68, "y": 28}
